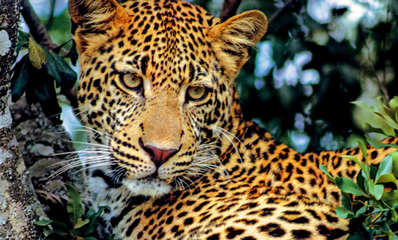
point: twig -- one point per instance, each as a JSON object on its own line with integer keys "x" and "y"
{"x": 382, "y": 82}
{"x": 229, "y": 8}
{"x": 275, "y": 14}
{"x": 36, "y": 27}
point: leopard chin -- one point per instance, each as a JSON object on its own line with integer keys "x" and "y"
{"x": 150, "y": 186}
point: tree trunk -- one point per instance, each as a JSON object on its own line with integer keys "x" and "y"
{"x": 19, "y": 207}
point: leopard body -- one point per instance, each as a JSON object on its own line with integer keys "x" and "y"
{"x": 171, "y": 153}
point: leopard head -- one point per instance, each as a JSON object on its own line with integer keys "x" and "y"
{"x": 157, "y": 84}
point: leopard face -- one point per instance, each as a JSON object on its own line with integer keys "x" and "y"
{"x": 157, "y": 86}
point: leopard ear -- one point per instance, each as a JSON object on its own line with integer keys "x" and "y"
{"x": 93, "y": 18}
{"x": 234, "y": 38}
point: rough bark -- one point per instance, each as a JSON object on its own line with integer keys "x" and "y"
{"x": 19, "y": 206}
{"x": 44, "y": 148}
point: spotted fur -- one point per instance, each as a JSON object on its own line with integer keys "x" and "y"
{"x": 170, "y": 152}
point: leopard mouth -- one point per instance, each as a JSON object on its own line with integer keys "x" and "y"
{"x": 151, "y": 186}
{"x": 152, "y": 178}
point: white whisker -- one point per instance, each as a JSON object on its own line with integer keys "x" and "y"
{"x": 224, "y": 132}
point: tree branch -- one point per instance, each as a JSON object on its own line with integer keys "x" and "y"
{"x": 36, "y": 27}
{"x": 229, "y": 8}
{"x": 276, "y": 14}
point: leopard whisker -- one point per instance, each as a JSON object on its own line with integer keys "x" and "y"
{"x": 177, "y": 182}
{"x": 233, "y": 135}
{"x": 188, "y": 180}
{"x": 220, "y": 130}
{"x": 74, "y": 164}
{"x": 117, "y": 173}
{"x": 81, "y": 112}
{"x": 203, "y": 163}
{"x": 74, "y": 153}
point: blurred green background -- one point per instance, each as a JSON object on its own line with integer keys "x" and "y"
{"x": 316, "y": 58}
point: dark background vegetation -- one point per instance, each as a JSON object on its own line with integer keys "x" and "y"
{"x": 316, "y": 58}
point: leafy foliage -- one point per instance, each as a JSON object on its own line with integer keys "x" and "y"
{"x": 347, "y": 56}
{"x": 38, "y": 73}
{"x": 79, "y": 226}
{"x": 373, "y": 209}
{"x": 388, "y": 114}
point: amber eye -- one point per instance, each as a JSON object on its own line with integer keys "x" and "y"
{"x": 130, "y": 80}
{"x": 196, "y": 93}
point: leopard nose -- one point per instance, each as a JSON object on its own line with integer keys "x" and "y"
{"x": 158, "y": 155}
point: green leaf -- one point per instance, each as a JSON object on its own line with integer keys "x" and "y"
{"x": 394, "y": 103}
{"x": 378, "y": 144}
{"x": 43, "y": 222}
{"x": 80, "y": 223}
{"x": 385, "y": 167}
{"x": 363, "y": 148}
{"x": 369, "y": 129}
{"x": 23, "y": 41}
{"x": 394, "y": 215}
{"x": 362, "y": 166}
{"x": 90, "y": 213}
{"x": 90, "y": 238}
{"x": 60, "y": 226}
{"x": 372, "y": 111}
{"x": 386, "y": 178}
{"x": 396, "y": 118}
{"x": 42, "y": 90}
{"x": 388, "y": 113}
{"x": 346, "y": 201}
{"x": 361, "y": 181}
{"x": 394, "y": 156}
{"x": 391, "y": 121}
{"x": 20, "y": 78}
{"x": 386, "y": 229}
{"x": 343, "y": 212}
{"x": 390, "y": 198}
{"x": 60, "y": 70}
{"x": 325, "y": 170}
{"x": 376, "y": 190}
{"x": 372, "y": 171}
{"x": 53, "y": 68}
{"x": 93, "y": 216}
{"x": 363, "y": 106}
{"x": 74, "y": 206}
{"x": 361, "y": 234}
{"x": 37, "y": 54}
{"x": 349, "y": 186}
{"x": 360, "y": 211}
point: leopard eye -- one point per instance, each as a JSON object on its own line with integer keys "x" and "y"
{"x": 196, "y": 93}
{"x": 130, "y": 81}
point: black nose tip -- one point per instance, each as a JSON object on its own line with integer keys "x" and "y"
{"x": 158, "y": 155}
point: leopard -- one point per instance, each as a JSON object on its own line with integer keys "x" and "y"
{"x": 169, "y": 151}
